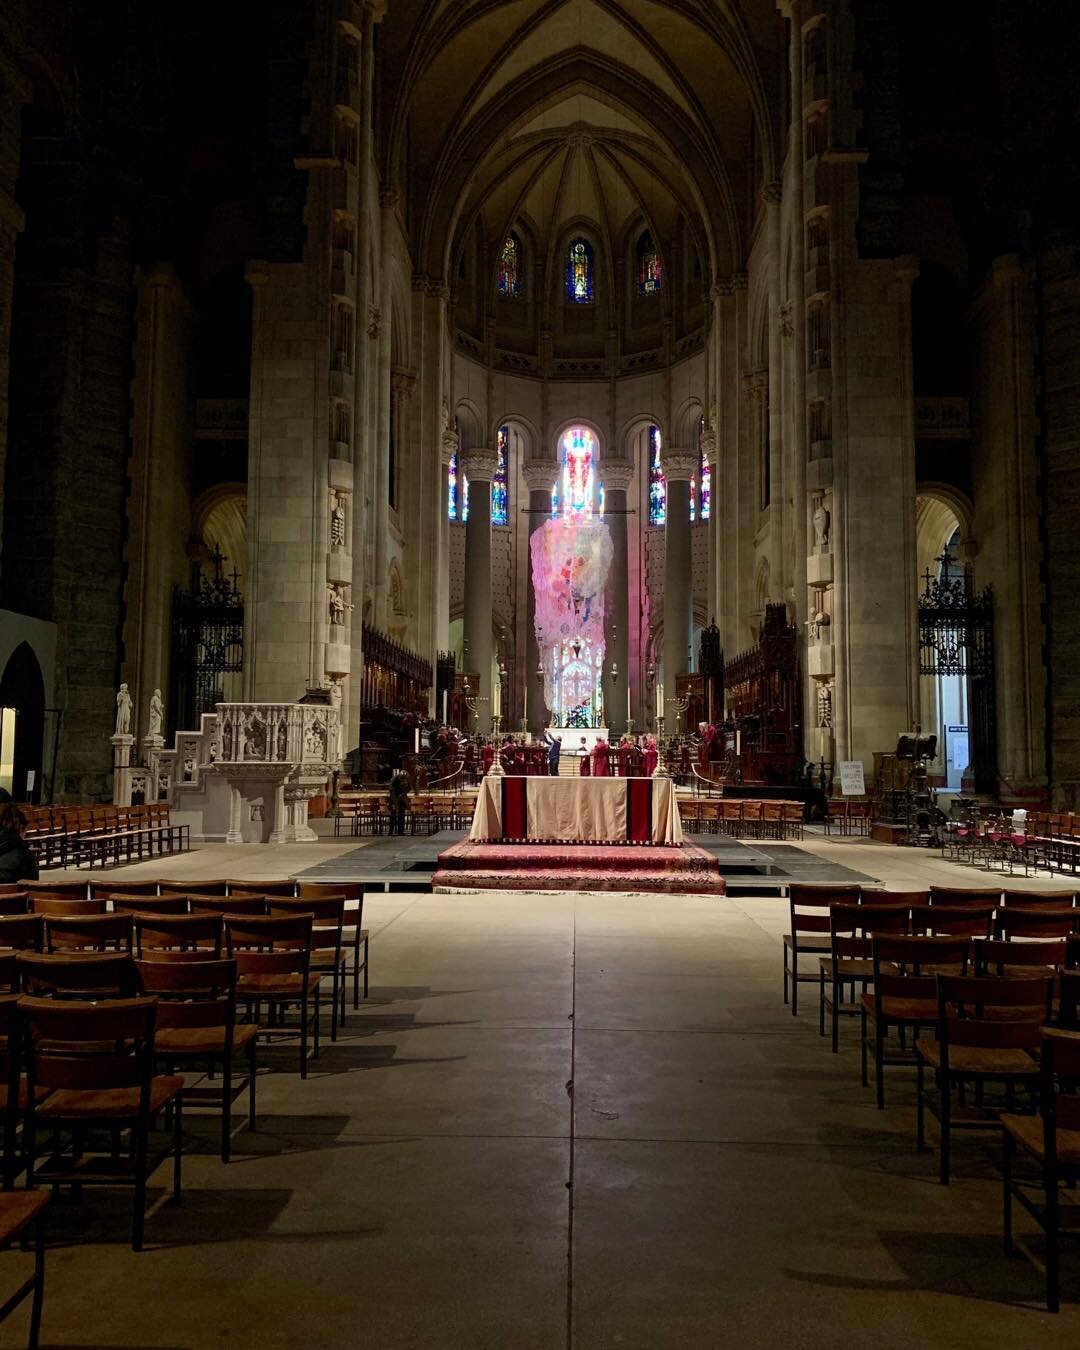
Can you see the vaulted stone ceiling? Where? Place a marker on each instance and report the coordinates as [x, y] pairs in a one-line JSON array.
[[557, 111]]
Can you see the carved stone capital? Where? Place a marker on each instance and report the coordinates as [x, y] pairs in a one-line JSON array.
[[617, 474], [709, 442], [772, 194], [785, 319], [479, 465], [680, 465], [540, 474], [448, 446]]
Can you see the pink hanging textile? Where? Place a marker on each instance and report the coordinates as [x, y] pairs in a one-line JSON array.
[[571, 559]]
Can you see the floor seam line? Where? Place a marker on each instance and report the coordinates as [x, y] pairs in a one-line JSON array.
[[573, 1125]]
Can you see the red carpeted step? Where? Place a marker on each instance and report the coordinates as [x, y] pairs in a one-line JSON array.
[[577, 867]]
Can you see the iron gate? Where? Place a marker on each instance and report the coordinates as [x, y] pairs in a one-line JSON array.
[[207, 644], [956, 637]]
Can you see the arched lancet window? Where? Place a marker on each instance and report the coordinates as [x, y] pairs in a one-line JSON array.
[[657, 482], [576, 493], [500, 503], [452, 487], [650, 269], [704, 478], [579, 273], [510, 268]]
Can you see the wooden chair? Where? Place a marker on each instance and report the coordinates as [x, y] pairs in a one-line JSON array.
[[14, 902], [850, 961], [148, 904], [791, 820], [771, 815], [809, 931], [178, 937], [836, 812], [196, 1024], [355, 936], [123, 886], [22, 933], [18, 1210], [78, 975], [193, 887], [88, 933], [752, 810], [905, 996], [972, 921], [1036, 923], [1018, 956], [96, 1063], [273, 956], [73, 890], [61, 905], [227, 904], [1052, 1140], [901, 899], [954, 896], [987, 1032], [731, 815], [261, 887], [327, 953], [1039, 900]]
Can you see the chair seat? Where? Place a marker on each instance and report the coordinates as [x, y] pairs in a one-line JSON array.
[[108, 1103], [853, 968], [24, 1095], [202, 1040], [324, 960], [977, 1059], [17, 1209], [810, 942], [1028, 1133], [902, 1009], [275, 986]]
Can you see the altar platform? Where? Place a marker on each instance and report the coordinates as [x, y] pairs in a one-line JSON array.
[[569, 810], [677, 869]]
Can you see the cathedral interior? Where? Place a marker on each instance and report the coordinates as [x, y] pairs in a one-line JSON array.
[[341, 340]]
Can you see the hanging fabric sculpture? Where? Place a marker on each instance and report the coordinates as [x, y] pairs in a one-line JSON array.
[[570, 564]]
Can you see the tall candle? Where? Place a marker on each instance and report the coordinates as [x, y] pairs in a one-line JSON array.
[[416, 741]]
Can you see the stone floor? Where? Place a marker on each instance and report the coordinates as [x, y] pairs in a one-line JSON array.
[[576, 1121]]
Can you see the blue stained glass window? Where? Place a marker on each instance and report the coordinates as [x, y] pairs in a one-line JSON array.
[[579, 273], [693, 499], [706, 488], [452, 488], [499, 495], [657, 482], [650, 269]]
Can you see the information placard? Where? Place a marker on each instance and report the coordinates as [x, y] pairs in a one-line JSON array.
[[852, 779]]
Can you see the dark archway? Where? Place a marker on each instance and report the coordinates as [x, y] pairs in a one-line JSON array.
[[23, 688]]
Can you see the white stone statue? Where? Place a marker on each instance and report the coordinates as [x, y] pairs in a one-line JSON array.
[[336, 594], [337, 520], [123, 712], [822, 522], [157, 709]]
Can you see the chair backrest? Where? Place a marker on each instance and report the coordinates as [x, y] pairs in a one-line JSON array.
[[88, 933], [269, 944], [74, 890], [227, 904], [998, 957], [60, 905], [10, 1033], [89, 974], [905, 899], [992, 1013], [954, 896], [851, 928], [192, 994], [1035, 923], [22, 933], [809, 906], [14, 902], [192, 887], [10, 888], [900, 963], [149, 904], [351, 890], [1059, 1069], [261, 887], [953, 920], [1069, 1005], [123, 886], [178, 937], [89, 1046], [328, 917], [1039, 899]]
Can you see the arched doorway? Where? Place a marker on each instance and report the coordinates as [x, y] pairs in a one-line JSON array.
[[22, 689]]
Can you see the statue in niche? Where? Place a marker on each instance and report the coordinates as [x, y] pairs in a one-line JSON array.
[[315, 741], [157, 710], [123, 712], [822, 525], [824, 707], [818, 626], [337, 520], [338, 604]]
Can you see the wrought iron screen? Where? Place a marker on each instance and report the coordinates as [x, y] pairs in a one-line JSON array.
[[207, 645], [956, 637]]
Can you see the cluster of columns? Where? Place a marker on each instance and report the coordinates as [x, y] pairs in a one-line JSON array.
[[479, 466], [680, 467]]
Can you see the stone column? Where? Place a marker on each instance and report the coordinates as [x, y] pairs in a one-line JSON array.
[[617, 479], [539, 476], [679, 467], [448, 449], [479, 467]]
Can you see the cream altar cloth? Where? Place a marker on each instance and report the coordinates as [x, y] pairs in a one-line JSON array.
[[576, 810]]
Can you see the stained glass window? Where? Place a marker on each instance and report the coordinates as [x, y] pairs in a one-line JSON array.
[[693, 499], [499, 498], [452, 488], [657, 482], [650, 269], [510, 267], [578, 478], [706, 488], [579, 273]]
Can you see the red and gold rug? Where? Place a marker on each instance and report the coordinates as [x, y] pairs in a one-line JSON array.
[[651, 868]]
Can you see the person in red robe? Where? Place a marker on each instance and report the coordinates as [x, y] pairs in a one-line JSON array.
[[624, 757], [585, 763], [600, 767], [487, 756], [652, 756]]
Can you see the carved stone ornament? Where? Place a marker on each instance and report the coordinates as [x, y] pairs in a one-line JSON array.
[[123, 712], [479, 465], [822, 525], [337, 520], [680, 465], [824, 707], [785, 320]]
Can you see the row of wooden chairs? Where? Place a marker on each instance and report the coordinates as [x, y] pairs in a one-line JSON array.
[[425, 814], [742, 817], [995, 977], [71, 836], [848, 816]]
